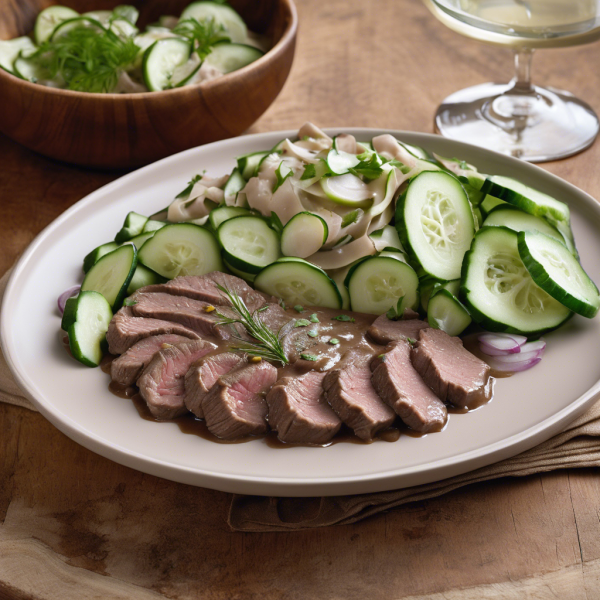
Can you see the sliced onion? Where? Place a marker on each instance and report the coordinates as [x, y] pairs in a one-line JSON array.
[[62, 299], [540, 346], [506, 342], [511, 359], [516, 367]]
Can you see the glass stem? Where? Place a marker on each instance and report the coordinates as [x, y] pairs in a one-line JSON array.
[[521, 83]]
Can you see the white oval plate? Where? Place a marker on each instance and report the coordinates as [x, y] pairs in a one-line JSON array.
[[526, 410]]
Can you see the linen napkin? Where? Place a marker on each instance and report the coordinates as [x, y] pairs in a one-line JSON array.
[[577, 446]]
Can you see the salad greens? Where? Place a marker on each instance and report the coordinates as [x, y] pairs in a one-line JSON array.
[[105, 52]]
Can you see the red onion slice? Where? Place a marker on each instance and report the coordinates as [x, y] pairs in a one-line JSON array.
[[62, 299], [540, 346], [516, 367], [503, 342], [511, 359]]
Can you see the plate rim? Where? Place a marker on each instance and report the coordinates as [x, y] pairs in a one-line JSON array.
[[382, 480]]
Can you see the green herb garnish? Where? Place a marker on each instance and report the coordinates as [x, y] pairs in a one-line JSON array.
[[411, 341], [307, 356], [87, 58], [266, 344], [129, 302], [275, 222], [299, 308], [382, 357], [395, 313], [334, 341], [314, 319], [312, 333], [302, 323], [203, 35], [309, 172], [281, 176], [190, 186], [345, 318], [369, 166], [351, 217]]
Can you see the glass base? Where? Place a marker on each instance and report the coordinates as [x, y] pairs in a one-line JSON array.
[[537, 125]]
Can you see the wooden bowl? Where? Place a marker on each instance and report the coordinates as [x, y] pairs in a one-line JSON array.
[[130, 130]]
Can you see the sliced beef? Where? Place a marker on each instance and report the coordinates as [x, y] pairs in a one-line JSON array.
[[162, 382], [453, 373], [401, 387], [384, 330], [179, 309], [125, 330], [205, 288], [350, 393], [128, 367], [299, 412], [203, 374], [235, 406]]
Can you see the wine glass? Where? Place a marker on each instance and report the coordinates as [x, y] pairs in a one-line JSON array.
[[527, 121]]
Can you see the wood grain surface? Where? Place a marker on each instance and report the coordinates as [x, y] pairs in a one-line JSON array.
[[74, 525]]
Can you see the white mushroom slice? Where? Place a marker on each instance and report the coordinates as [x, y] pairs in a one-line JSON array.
[[285, 202], [336, 259], [347, 143], [215, 194], [387, 145], [308, 130], [259, 192], [208, 182], [295, 150]]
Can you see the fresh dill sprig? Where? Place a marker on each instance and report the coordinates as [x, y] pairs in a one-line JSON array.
[[203, 35], [87, 58], [267, 343]]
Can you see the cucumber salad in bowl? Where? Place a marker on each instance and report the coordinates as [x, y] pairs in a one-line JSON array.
[[377, 227], [105, 52]]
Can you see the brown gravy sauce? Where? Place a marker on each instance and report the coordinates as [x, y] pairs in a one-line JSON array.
[[351, 338]]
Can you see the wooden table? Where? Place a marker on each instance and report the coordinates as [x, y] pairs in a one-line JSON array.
[[74, 525]]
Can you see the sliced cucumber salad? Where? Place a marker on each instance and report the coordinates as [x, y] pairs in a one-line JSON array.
[[376, 227], [104, 52]]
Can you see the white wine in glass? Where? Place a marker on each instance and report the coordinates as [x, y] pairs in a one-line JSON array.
[[531, 122]]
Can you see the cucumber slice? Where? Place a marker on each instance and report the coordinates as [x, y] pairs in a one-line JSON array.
[[376, 284], [296, 281], [530, 200], [447, 313], [231, 57], [183, 74], [133, 225], [96, 254], [11, 49], [338, 276], [142, 277], [49, 18], [181, 249], [161, 60], [489, 204], [348, 190], [340, 163], [435, 223], [28, 70], [249, 277], [111, 275], [416, 151], [249, 244], [87, 333], [224, 213], [429, 287], [514, 218], [139, 240], [304, 234], [498, 290], [221, 14], [152, 225], [558, 273], [235, 184], [248, 164]]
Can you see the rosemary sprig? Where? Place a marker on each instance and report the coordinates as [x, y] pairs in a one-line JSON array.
[[267, 343]]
